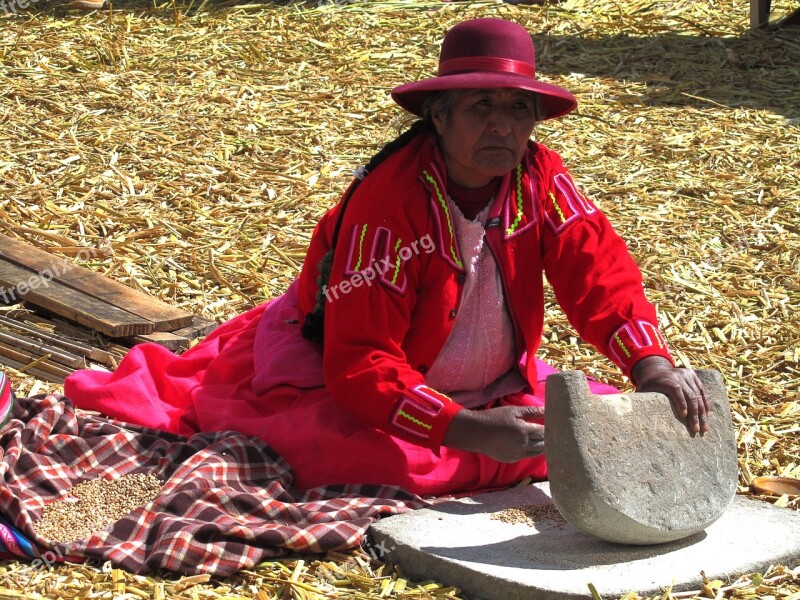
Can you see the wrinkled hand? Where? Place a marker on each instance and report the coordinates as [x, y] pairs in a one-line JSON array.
[[505, 433], [682, 386]]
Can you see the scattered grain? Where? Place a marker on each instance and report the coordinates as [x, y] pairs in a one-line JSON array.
[[93, 505]]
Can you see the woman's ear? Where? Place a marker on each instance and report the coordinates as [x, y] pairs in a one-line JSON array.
[[438, 117]]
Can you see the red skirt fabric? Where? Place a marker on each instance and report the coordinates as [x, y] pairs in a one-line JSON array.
[[255, 375]]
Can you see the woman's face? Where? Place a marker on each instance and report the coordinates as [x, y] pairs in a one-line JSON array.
[[485, 133]]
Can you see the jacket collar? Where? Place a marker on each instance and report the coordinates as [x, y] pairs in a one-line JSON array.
[[513, 209]]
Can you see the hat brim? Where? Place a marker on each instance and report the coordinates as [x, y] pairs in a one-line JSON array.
[[554, 101]]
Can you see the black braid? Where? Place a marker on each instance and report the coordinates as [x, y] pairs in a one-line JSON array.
[[313, 325]]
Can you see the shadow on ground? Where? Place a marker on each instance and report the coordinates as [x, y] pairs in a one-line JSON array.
[[757, 70]]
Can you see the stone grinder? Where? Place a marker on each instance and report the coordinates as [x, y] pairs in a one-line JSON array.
[[625, 469], [622, 469]]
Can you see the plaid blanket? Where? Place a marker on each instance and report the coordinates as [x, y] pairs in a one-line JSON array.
[[226, 501]]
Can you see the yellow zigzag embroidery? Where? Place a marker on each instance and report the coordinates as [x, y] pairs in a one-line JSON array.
[[361, 247], [658, 339], [447, 212], [621, 345], [397, 267], [402, 413], [514, 225], [557, 207]]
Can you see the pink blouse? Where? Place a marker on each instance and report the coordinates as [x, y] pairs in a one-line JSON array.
[[476, 364]]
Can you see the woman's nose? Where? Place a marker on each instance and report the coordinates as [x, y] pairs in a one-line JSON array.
[[500, 121]]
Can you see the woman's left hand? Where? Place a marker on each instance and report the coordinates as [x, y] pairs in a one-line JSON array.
[[682, 386]]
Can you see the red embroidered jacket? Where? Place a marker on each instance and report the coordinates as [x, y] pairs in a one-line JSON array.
[[397, 280]]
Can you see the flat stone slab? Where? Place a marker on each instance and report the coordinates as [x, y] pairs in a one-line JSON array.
[[513, 545], [625, 468]]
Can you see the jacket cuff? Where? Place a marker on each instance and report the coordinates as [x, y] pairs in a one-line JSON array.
[[635, 340], [423, 415]]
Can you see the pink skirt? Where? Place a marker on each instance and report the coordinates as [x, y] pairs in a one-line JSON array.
[[254, 374]]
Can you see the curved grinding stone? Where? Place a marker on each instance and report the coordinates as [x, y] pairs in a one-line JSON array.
[[622, 467]]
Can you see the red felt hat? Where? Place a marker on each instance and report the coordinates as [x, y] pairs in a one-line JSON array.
[[487, 53]]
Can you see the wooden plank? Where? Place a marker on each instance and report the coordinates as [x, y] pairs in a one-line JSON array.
[[173, 342], [40, 349], [27, 359], [163, 316], [114, 347], [759, 13], [21, 284], [73, 330], [43, 375], [44, 370], [89, 352], [180, 339], [200, 327]]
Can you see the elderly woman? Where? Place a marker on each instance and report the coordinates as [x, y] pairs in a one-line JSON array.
[[404, 353]]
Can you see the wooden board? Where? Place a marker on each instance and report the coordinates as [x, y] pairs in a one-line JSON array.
[[200, 327], [45, 370], [170, 341], [163, 316], [759, 13], [70, 303], [180, 339], [73, 346], [36, 348]]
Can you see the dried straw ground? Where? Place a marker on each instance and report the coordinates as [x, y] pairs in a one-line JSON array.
[[200, 142]]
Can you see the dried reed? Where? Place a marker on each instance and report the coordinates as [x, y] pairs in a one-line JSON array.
[[201, 143]]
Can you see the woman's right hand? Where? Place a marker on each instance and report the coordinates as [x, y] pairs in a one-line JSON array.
[[505, 433]]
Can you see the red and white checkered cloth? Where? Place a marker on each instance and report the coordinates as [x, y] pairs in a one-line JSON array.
[[226, 502]]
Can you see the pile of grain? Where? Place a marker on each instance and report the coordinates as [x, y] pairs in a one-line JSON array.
[[93, 505], [533, 515]]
